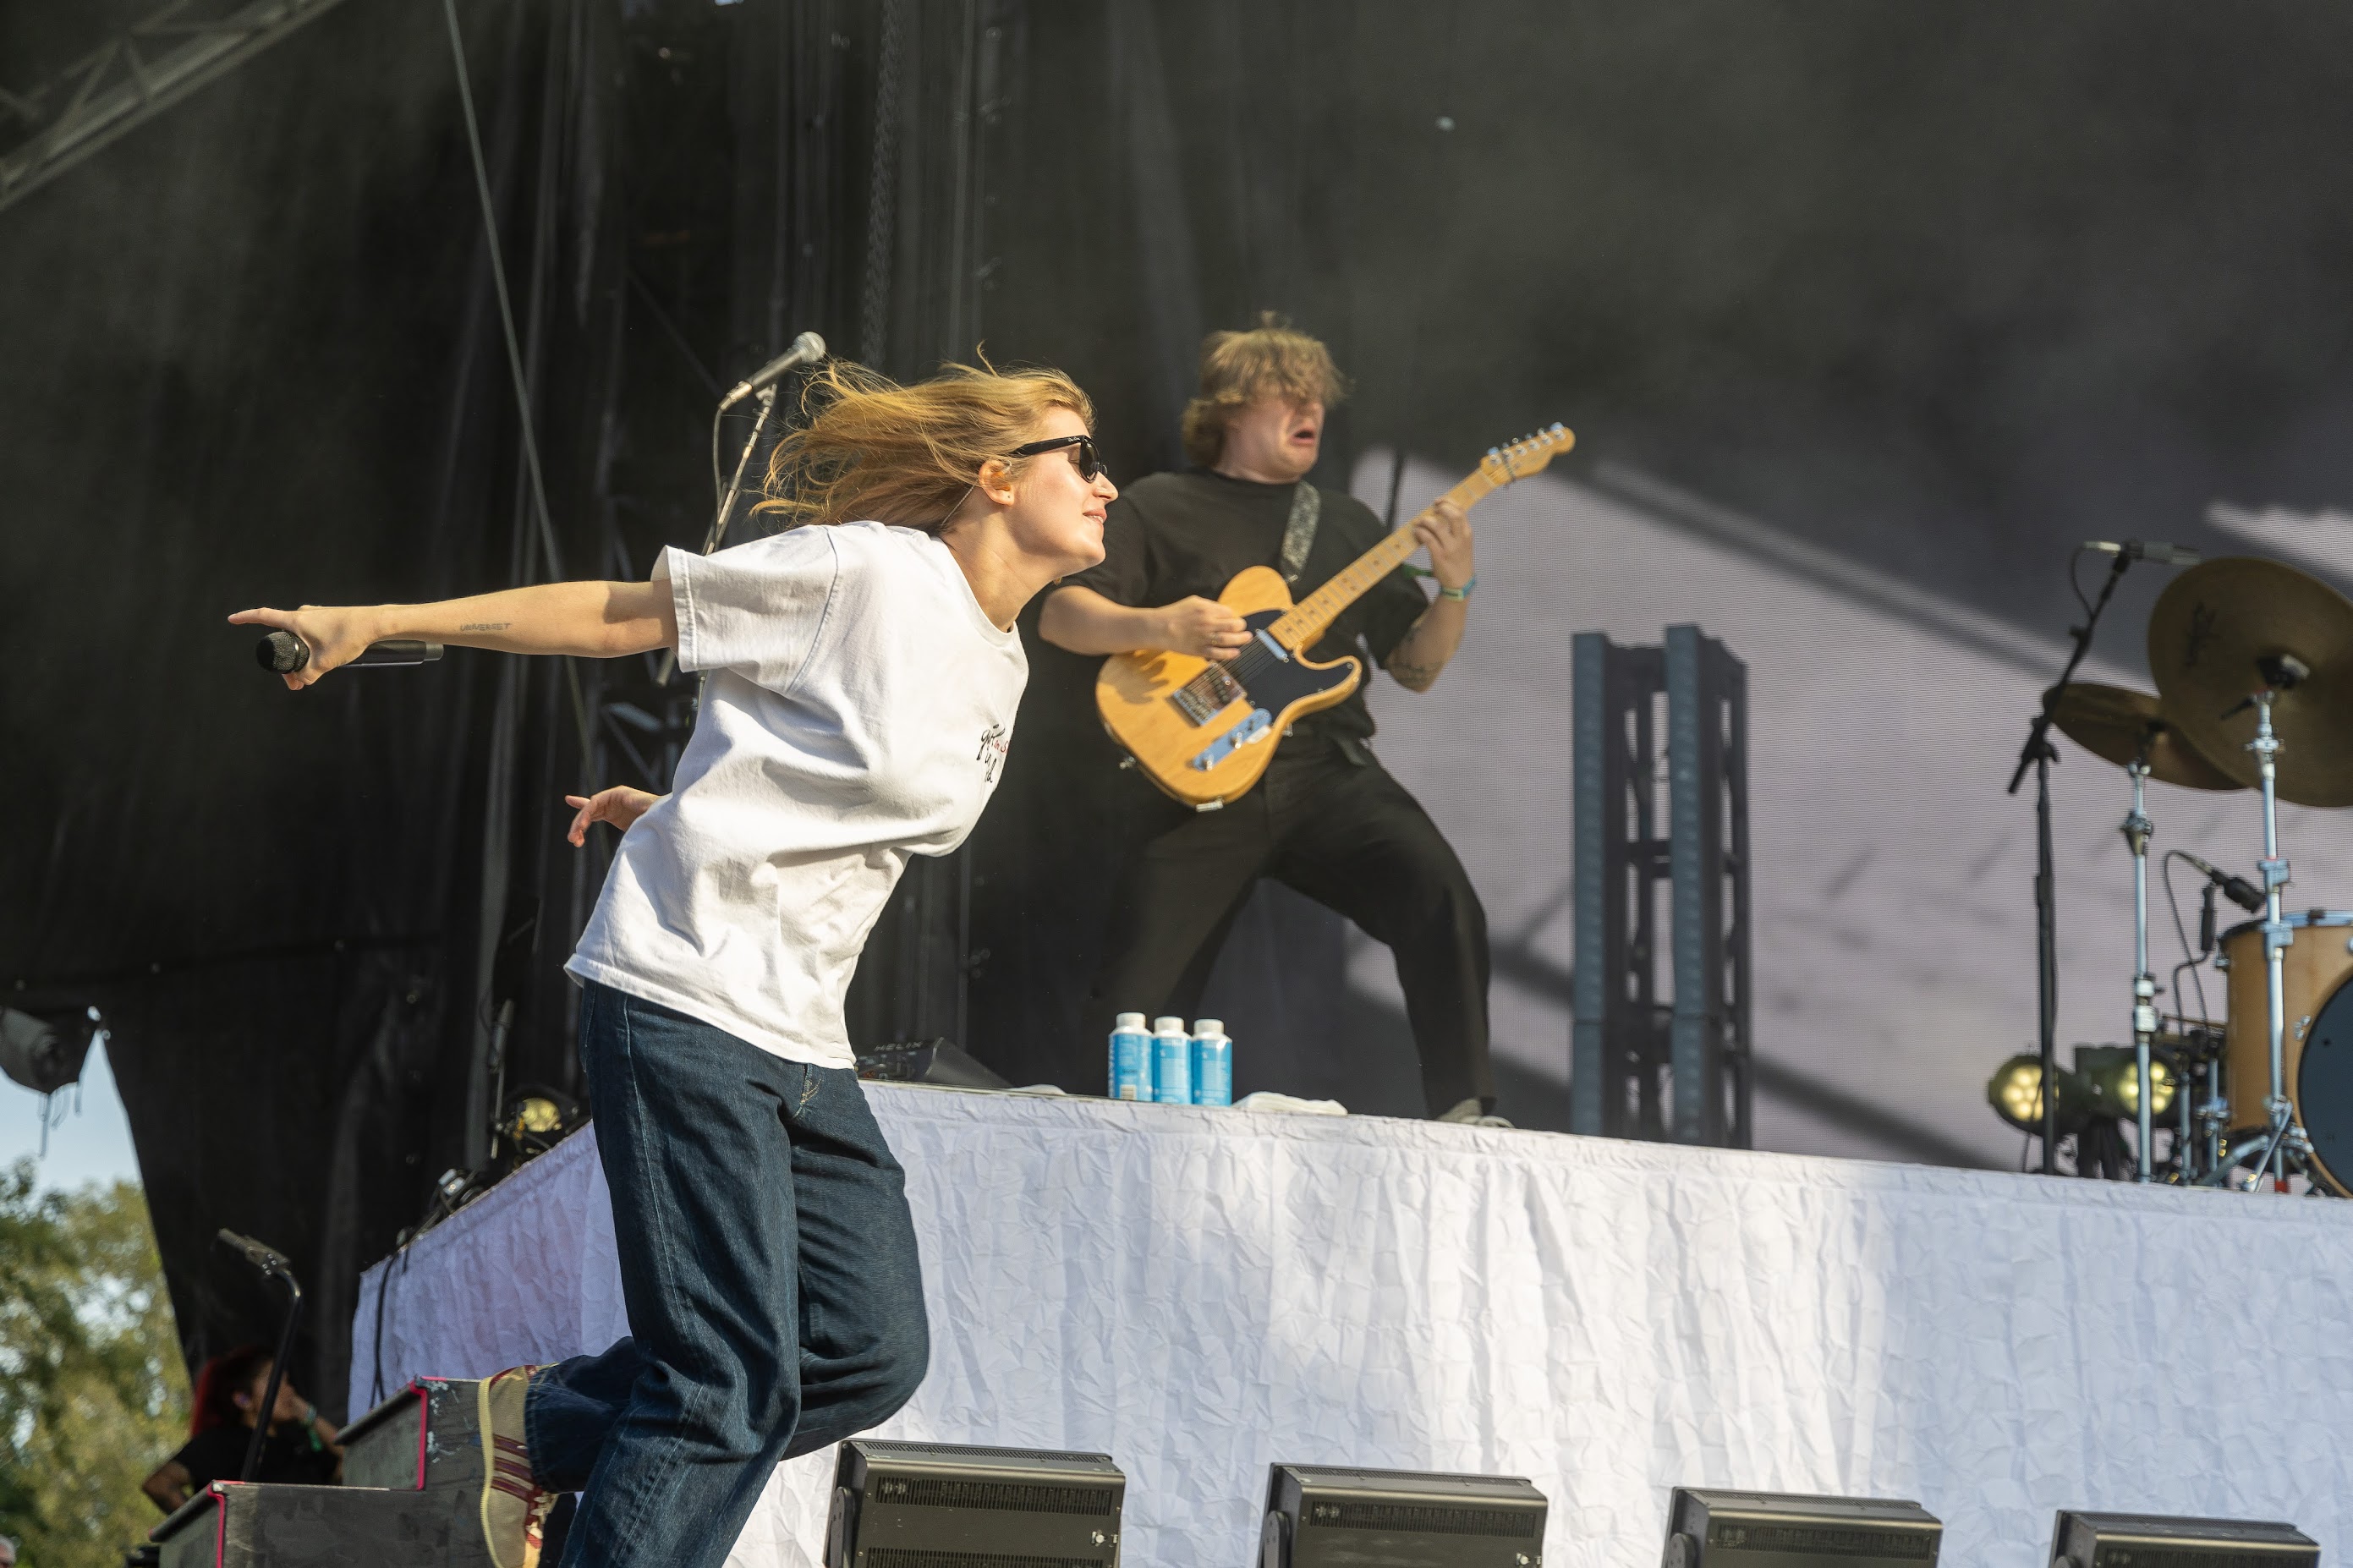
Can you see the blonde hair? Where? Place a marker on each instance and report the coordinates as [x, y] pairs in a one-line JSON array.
[[1240, 368], [867, 447]]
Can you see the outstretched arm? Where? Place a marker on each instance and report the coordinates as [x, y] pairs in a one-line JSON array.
[[1083, 621], [587, 620]]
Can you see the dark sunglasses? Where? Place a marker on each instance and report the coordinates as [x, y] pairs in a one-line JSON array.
[[1089, 461]]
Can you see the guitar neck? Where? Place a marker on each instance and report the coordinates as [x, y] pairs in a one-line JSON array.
[[1311, 616]]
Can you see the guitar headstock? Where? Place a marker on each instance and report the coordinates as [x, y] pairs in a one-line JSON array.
[[1526, 456]]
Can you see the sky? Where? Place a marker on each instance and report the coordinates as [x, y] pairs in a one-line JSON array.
[[88, 1144]]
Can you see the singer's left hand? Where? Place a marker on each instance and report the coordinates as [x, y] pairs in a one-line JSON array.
[[334, 636], [619, 805]]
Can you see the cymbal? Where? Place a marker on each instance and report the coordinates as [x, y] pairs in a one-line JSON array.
[[2112, 721], [2212, 637]]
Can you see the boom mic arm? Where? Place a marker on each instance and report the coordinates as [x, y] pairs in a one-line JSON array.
[[2238, 889], [806, 349], [268, 1260], [2144, 550]]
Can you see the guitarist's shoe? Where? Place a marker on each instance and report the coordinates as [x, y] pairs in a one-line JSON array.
[[1471, 1113], [515, 1509]]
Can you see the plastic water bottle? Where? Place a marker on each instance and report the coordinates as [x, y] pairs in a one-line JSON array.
[[1172, 1062], [1131, 1058], [1213, 1063]]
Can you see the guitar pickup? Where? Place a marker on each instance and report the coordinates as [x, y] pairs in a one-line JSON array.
[[1257, 727], [1207, 694]]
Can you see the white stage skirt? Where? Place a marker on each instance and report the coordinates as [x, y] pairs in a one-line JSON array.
[[1200, 1292]]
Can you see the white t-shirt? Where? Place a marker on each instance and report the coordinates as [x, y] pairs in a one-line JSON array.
[[858, 711]]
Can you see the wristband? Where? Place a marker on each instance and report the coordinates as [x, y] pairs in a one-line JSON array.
[[1463, 593]]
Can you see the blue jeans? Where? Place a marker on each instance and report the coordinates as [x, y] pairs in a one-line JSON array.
[[768, 1264]]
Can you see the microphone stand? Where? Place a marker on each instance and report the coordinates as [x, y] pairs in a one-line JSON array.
[[718, 534], [270, 1263], [2039, 755]]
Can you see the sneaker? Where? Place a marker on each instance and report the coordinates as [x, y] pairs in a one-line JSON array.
[[514, 1508]]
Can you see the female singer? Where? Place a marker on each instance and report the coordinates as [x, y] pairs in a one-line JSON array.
[[863, 676]]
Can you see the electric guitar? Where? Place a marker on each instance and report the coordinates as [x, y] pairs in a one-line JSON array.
[[1204, 730]]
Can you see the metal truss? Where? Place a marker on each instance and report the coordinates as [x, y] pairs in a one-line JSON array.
[[137, 74], [1641, 1067]]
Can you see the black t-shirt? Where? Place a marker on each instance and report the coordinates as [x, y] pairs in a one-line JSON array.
[[1172, 535], [217, 1454]]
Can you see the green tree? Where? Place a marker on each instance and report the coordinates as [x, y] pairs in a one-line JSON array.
[[93, 1394]]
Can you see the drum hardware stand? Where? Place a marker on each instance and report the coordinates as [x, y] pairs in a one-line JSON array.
[[2214, 1116], [2282, 1141], [2039, 755], [2212, 1112], [2136, 829]]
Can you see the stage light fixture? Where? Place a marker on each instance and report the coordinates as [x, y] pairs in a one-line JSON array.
[[2104, 1082], [938, 1505], [44, 1051], [534, 1119], [2015, 1092], [1710, 1528], [2154, 1540], [1326, 1517], [2112, 1076]]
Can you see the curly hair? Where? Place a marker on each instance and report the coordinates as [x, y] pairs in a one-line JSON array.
[[1239, 368], [868, 449]]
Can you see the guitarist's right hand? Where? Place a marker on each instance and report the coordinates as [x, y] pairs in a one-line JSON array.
[[1202, 627]]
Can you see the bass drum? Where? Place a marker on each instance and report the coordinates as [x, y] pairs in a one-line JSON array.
[[2323, 1091], [2313, 969]]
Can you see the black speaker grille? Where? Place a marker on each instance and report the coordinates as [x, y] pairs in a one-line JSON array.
[[900, 1557], [1424, 1519], [1009, 1497], [2164, 1554], [1826, 1541]]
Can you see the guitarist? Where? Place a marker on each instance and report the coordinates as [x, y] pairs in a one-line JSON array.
[[1327, 819]]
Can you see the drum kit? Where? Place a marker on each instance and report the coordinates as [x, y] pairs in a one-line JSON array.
[[2254, 666]]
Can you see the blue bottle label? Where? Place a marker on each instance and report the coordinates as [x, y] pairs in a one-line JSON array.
[[1131, 1066], [1172, 1069], [1213, 1070]]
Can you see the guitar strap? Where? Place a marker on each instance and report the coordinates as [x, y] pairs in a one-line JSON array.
[[1299, 533]]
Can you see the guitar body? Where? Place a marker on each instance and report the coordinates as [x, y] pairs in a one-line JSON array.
[[1205, 733]]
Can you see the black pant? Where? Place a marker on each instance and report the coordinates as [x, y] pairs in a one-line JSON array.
[[1348, 836]]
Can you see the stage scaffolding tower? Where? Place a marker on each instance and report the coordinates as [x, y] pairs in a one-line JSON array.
[[1641, 1066]]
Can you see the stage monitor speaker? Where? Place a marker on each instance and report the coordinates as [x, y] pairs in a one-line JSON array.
[[2152, 1540], [1708, 1528], [936, 1505], [1322, 1516]]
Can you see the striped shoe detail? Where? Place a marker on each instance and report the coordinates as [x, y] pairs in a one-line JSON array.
[[514, 1507]]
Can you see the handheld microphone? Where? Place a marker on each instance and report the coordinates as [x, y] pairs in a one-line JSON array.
[[2146, 549], [283, 653], [268, 1259], [2238, 889], [808, 349]]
